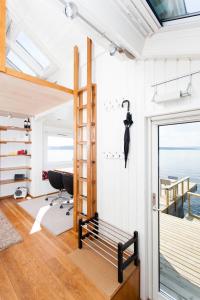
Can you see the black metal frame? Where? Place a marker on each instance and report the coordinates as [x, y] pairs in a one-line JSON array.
[[122, 263]]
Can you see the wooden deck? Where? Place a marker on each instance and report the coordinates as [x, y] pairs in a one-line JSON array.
[[180, 257], [180, 194]]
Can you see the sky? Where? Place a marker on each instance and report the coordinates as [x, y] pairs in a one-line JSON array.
[[192, 5], [180, 135]]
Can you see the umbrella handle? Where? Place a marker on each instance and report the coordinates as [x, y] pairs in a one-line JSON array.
[[126, 101]]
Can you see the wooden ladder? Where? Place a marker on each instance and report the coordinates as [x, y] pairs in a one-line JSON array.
[[84, 141]]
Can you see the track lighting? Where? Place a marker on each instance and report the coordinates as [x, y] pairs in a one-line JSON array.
[[112, 49], [71, 10]]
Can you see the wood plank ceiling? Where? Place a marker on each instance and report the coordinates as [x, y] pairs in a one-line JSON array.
[[25, 97]]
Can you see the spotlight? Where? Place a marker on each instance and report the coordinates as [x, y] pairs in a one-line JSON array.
[[71, 10], [113, 49]]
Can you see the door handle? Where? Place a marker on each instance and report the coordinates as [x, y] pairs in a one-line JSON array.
[[157, 209]]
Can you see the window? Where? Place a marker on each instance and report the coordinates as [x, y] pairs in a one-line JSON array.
[[15, 61], [27, 44], [59, 149], [168, 10]]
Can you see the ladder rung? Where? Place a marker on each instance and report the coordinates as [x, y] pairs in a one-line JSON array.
[[85, 125], [85, 161], [85, 142], [83, 215], [82, 107], [83, 197], [83, 179], [82, 142]]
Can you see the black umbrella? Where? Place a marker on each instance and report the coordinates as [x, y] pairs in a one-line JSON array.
[[128, 122]]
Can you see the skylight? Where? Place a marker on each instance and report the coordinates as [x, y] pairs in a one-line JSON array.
[[18, 63], [28, 45], [168, 10]]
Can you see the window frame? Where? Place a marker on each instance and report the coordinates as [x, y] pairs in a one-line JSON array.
[[174, 20], [25, 56], [49, 165]]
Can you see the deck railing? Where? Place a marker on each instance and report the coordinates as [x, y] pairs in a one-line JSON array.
[[189, 195], [174, 188]]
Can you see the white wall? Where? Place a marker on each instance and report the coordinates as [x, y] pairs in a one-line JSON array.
[[122, 193], [39, 186]]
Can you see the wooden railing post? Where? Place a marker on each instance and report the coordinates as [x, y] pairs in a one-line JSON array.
[[167, 198], [188, 184], [189, 204], [182, 190]]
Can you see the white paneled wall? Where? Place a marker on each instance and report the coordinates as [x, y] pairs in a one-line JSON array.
[[122, 193], [41, 187]]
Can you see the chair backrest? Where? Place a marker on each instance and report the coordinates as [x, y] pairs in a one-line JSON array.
[[55, 180], [68, 183]]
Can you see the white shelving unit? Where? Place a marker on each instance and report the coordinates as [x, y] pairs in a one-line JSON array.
[[13, 139]]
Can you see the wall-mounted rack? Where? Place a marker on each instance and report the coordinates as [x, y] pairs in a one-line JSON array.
[[110, 242]]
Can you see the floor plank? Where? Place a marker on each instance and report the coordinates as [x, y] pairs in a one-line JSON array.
[[180, 256], [39, 267]]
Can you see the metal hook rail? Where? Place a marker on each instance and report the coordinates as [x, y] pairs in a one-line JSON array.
[[176, 78], [108, 244]]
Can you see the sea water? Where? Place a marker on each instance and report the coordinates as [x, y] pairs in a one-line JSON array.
[[182, 162]]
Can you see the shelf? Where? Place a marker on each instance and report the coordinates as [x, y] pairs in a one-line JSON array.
[[19, 142], [15, 155], [5, 128], [15, 168], [9, 181]]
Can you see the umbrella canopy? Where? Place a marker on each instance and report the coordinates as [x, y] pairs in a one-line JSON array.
[[127, 122]]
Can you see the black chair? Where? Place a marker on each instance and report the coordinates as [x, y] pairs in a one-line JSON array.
[[67, 180], [55, 180]]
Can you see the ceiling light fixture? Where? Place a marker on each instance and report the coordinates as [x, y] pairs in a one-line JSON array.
[[71, 12], [112, 49]]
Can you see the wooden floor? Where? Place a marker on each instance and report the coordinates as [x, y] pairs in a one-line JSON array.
[[39, 267], [180, 257]]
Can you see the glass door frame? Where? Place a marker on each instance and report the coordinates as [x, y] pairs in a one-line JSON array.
[[153, 191]]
